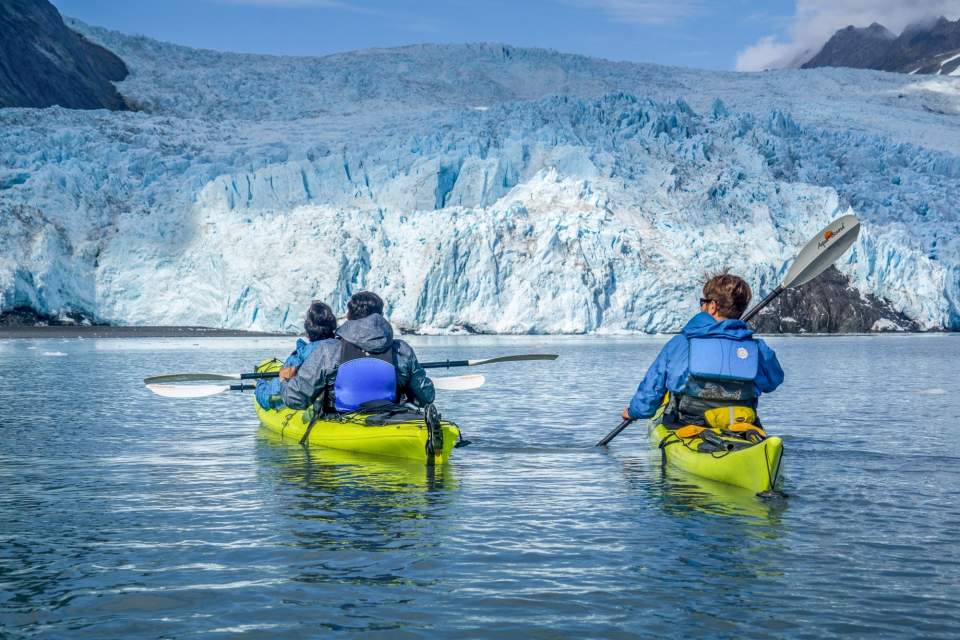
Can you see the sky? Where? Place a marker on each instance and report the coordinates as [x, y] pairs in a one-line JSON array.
[[748, 35]]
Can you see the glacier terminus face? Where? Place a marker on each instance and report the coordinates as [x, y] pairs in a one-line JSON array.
[[474, 187]]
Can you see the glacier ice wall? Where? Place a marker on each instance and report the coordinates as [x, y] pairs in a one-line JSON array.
[[468, 199]]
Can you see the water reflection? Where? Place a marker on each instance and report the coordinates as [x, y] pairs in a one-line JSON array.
[[725, 531], [331, 468], [181, 520], [342, 499], [682, 494]]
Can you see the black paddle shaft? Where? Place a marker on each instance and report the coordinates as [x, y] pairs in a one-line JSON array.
[[613, 434], [425, 365], [445, 364], [258, 375], [760, 305]]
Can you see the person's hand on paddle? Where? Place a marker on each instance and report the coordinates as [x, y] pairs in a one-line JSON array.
[[287, 373], [626, 414]]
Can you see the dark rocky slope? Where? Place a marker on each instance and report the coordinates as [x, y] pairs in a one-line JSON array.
[[829, 304], [43, 63], [853, 47], [928, 48], [23, 316]]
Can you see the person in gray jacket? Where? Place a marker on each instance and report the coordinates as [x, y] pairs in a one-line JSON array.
[[362, 364]]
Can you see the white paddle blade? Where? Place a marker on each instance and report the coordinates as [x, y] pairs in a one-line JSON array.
[[187, 391], [458, 383], [822, 251], [519, 358], [191, 377]]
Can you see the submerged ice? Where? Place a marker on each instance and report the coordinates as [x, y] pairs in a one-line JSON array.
[[250, 185]]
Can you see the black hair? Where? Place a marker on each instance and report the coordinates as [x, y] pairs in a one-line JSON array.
[[320, 322], [363, 304]]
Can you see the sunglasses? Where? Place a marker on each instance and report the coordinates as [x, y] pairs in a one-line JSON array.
[[704, 301]]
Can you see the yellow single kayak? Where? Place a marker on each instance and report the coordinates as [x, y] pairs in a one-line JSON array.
[[753, 466], [398, 438]]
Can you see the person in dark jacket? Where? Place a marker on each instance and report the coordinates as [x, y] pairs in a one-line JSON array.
[[715, 361], [319, 324], [363, 364]]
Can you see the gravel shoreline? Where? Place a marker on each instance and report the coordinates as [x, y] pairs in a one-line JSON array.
[[95, 331]]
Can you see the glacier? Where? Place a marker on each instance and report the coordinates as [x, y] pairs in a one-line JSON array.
[[478, 187]]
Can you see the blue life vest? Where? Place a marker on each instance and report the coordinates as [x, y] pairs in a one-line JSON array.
[[724, 359], [364, 377], [721, 373]]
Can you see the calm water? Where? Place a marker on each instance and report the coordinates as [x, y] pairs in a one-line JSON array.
[[124, 515]]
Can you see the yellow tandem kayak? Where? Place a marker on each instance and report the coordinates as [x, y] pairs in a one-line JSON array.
[[333, 469], [753, 466], [352, 432]]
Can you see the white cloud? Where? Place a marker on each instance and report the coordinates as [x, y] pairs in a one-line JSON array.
[[814, 21], [643, 11]]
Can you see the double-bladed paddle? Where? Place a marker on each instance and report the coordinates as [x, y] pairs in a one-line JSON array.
[[473, 363], [818, 254], [447, 383], [216, 377]]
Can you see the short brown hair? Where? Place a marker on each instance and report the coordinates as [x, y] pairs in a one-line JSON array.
[[731, 293]]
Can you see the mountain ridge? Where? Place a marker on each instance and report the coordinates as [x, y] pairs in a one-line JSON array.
[[930, 47]]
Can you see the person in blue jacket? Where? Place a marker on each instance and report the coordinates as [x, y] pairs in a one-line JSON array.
[[320, 324], [714, 362]]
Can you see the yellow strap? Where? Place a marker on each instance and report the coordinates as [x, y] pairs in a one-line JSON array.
[[742, 426], [689, 431]]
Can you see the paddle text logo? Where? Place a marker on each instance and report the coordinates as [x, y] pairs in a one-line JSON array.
[[828, 234]]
